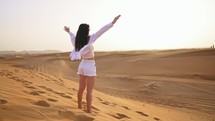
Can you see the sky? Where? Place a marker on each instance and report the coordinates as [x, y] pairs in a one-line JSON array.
[[144, 24]]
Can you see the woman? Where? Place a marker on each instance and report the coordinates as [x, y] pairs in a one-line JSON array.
[[84, 51]]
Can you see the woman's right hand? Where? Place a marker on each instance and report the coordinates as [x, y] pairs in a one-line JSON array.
[[66, 29], [115, 19]]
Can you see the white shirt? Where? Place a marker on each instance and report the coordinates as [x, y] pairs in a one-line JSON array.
[[87, 50]]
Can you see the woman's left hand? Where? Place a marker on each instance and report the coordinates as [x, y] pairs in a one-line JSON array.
[[115, 19], [66, 29]]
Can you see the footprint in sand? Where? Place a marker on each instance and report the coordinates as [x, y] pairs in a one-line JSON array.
[[109, 103], [63, 95], [42, 103], [69, 93], [119, 116], [2, 101], [60, 83], [157, 119], [74, 116], [73, 89], [45, 88], [52, 100], [16, 70], [94, 108], [29, 86], [34, 93], [99, 99], [41, 92], [141, 113], [106, 102], [1, 73], [6, 73], [58, 93], [25, 83], [126, 107], [47, 80]]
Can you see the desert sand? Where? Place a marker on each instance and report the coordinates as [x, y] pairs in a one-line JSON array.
[[159, 85]]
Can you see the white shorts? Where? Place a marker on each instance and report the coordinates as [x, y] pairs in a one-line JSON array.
[[87, 68]]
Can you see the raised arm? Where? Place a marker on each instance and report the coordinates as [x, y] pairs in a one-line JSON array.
[[96, 35], [72, 36]]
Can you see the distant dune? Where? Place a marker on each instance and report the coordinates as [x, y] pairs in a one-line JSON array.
[[160, 85], [11, 54]]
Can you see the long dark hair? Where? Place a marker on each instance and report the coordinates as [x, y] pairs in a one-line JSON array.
[[82, 36]]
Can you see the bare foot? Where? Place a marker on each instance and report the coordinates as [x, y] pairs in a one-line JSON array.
[[89, 111], [79, 106]]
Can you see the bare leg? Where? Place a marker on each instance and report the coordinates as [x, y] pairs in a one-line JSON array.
[[90, 80], [82, 86]]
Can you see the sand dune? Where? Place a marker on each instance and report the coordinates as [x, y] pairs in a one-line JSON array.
[[168, 85]]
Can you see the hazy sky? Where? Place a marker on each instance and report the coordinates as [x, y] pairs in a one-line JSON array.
[[144, 24]]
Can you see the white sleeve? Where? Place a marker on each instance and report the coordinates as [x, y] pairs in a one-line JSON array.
[[72, 37], [96, 35]]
